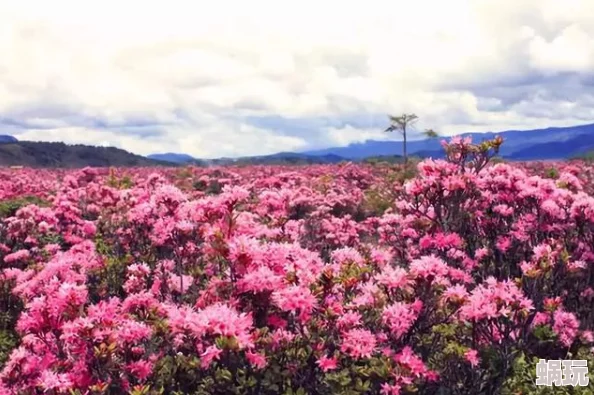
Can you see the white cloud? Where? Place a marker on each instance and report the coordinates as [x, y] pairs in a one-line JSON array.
[[86, 72], [572, 50]]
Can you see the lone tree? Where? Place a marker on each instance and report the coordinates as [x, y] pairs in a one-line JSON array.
[[403, 123]]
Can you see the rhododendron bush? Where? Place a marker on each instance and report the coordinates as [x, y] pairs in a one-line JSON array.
[[296, 280]]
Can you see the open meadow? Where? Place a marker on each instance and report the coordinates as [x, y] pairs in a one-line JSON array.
[[454, 275]]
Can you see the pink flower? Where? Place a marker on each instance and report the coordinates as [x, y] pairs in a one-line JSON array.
[[358, 343], [348, 320], [175, 282], [140, 369], [256, 359], [552, 208], [566, 326], [576, 265], [481, 253], [280, 337], [455, 293], [429, 267], [472, 357], [393, 278], [345, 256], [381, 257], [504, 210], [540, 319], [432, 376], [399, 317], [276, 322], [326, 364], [282, 260], [223, 320], [503, 243], [495, 299], [89, 229], [55, 381], [130, 331], [211, 354], [294, 298], [408, 358], [389, 389], [542, 251], [260, 280], [17, 256], [587, 336], [185, 226]]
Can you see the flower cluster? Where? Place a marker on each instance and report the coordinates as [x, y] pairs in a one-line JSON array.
[[319, 279]]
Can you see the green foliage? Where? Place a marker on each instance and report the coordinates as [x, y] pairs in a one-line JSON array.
[[110, 281], [181, 374], [380, 159], [586, 156], [124, 182], [8, 208], [409, 172], [377, 201], [498, 159], [8, 341], [212, 187], [10, 309], [523, 379], [552, 173], [184, 172]]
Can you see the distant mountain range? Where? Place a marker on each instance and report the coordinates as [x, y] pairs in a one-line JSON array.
[[278, 158], [518, 145], [45, 154], [537, 144]]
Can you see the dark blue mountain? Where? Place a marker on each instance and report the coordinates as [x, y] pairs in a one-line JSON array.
[[556, 150], [377, 148], [4, 138], [172, 157], [514, 141], [549, 143], [278, 158], [282, 158], [288, 156]]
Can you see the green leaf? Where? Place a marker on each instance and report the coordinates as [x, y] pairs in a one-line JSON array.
[[224, 374]]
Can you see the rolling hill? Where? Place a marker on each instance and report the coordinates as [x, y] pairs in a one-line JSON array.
[[45, 154], [4, 138]]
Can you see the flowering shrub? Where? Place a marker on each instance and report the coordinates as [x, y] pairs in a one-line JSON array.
[[314, 280]]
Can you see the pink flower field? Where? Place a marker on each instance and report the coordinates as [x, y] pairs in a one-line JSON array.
[[450, 276]]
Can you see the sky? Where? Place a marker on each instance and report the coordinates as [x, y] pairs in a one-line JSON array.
[[235, 78]]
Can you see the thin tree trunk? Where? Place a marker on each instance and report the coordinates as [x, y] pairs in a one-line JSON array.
[[404, 146]]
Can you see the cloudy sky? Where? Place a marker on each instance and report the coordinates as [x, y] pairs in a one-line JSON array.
[[230, 78]]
